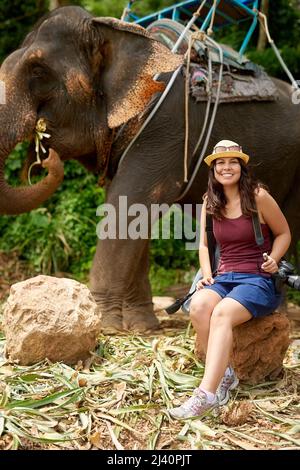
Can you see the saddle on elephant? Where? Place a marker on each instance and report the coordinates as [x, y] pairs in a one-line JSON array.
[[242, 80]]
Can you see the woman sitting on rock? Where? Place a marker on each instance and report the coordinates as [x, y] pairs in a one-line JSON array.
[[243, 287]]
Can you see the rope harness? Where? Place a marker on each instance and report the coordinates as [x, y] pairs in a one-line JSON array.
[[200, 35]]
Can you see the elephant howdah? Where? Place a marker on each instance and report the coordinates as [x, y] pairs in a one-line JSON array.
[[87, 76]]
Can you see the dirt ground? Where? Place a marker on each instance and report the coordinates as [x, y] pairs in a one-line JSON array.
[[273, 415]]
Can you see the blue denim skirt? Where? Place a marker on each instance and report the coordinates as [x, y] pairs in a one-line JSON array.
[[256, 293]]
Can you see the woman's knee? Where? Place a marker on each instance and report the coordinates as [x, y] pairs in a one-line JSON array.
[[200, 308], [220, 315]]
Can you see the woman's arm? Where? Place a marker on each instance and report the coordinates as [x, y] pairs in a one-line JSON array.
[[203, 249], [277, 223]]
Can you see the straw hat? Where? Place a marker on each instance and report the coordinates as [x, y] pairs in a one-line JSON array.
[[227, 153]]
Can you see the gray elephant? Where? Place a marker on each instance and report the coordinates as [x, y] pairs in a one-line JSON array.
[[87, 77]]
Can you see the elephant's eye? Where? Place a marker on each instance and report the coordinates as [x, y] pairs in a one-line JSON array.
[[41, 81], [38, 71]]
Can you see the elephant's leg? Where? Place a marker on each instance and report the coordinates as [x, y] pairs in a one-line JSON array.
[[119, 277], [138, 312], [107, 288], [119, 280]]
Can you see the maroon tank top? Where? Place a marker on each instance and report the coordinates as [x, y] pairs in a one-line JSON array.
[[239, 251]]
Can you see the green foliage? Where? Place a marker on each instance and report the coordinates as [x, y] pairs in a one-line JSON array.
[[17, 18], [14, 163], [172, 253], [268, 60], [115, 8], [162, 278], [105, 7], [284, 22], [293, 296], [146, 7], [284, 26], [171, 262], [62, 235]]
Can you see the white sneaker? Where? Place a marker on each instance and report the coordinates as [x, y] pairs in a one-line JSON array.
[[197, 405], [229, 382]]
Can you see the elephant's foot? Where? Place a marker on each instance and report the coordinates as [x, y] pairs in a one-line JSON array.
[[140, 320], [111, 322]]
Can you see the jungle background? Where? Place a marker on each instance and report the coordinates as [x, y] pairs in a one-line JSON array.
[[60, 237]]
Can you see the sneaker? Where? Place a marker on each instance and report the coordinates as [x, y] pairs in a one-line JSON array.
[[229, 382], [197, 405]]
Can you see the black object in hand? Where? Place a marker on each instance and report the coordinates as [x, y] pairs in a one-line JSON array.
[[286, 275], [178, 302]]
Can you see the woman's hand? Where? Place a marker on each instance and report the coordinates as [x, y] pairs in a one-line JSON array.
[[205, 281], [270, 265]]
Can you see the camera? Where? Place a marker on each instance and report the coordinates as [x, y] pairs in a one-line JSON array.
[[285, 275]]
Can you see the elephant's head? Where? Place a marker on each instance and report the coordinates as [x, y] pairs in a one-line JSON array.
[[84, 76]]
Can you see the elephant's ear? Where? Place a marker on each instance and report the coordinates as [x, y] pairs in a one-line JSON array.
[[130, 59]]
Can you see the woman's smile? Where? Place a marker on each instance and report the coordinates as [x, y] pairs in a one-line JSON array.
[[227, 169]]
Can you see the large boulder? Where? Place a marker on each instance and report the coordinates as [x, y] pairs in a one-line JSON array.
[[49, 317], [259, 347]]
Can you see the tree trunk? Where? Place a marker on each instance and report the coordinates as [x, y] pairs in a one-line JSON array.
[[262, 38]]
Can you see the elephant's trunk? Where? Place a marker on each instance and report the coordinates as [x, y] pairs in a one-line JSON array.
[[17, 122], [23, 199]]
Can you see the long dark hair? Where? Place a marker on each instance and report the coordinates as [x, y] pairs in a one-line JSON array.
[[248, 186]]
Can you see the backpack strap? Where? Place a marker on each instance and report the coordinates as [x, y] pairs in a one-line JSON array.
[[213, 247], [259, 238]]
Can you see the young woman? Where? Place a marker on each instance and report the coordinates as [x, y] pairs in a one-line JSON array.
[[243, 287]]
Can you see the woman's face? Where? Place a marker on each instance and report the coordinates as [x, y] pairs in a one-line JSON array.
[[227, 171]]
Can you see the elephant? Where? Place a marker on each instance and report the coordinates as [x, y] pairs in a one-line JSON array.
[[91, 80]]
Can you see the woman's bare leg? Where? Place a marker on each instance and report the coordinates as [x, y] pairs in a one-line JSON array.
[[226, 315], [202, 305]]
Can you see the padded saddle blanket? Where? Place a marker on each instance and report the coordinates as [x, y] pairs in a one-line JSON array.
[[242, 80], [235, 86]]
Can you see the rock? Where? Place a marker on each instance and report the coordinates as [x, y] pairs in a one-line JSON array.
[[47, 317], [259, 347]]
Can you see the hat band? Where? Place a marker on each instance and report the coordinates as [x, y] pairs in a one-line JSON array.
[[227, 154]]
